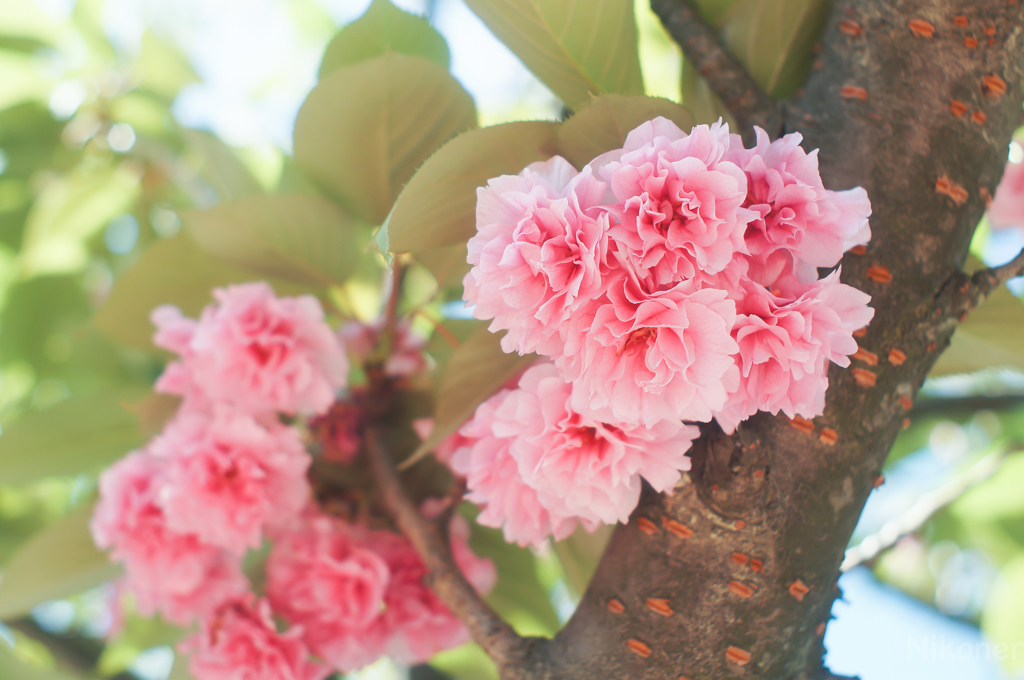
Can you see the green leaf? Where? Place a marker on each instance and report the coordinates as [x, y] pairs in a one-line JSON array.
[[177, 272], [70, 211], [774, 39], [438, 206], [179, 671], [579, 555], [605, 122], [475, 371], [999, 496], [700, 99], [447, 263], [12, 669], [578, 48], [991, 336], [466, 662], [161, 68], [364, 130], [1003, 617], [519, 597], [302, 238], [222, 168], [384, 28], [58, 562], [81, 434]]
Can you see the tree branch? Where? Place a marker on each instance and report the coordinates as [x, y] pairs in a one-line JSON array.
[[985, 280], [726, 76], [921, 511], [490, 631]]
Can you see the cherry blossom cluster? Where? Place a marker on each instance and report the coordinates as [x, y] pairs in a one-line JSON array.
[[227, 475], [672, 281]]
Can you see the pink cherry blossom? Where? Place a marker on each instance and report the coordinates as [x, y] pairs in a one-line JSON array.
[[786, 339], [795, 212], [255, 352], [678, 201], [1007, 208], [239, 642], [168, 572], [494, 482], [582, 466], [229, 478], [406, 357], [638, 358], [418, 624], [539, 252], [340, 430], [323, 576]]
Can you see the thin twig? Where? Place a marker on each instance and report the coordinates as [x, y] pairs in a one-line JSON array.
[[488, 629], [739, 93], [985, 280], [923, 510]]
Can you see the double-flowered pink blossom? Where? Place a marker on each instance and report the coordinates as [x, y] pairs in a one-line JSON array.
[[640, 358], [538, 466], [705, 303], [169, 572], [786, 339], [405, 356], [539, 252], [239, 642], [799, 222], [678, 201], [229, 477], [323, 576], [254, 352], [417, 624], [358, 594]]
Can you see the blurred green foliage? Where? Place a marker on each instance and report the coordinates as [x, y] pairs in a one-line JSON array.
[[108, 208]]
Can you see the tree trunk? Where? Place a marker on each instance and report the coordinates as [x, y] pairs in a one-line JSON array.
[[735, 573]]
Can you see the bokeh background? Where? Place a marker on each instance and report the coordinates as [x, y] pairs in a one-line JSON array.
[[116, 114]]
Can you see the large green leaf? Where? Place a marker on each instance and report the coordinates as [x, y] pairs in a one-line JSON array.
[[447, 263], [991, 336], [438, 206], [519, 596], [1003, 617], [12, 669], [302, 238], [161, 68], [175, 271], [222, 168], [578, 48], [58, 562], [80, 434], [475, 371], [179, 671], [364, 130], [384, 28], [700, 99], [68, 212], [605, 122], [996, 497], [774, 39], [579, 555]]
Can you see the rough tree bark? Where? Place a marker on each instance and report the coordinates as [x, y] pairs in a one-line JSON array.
[[735, 573]]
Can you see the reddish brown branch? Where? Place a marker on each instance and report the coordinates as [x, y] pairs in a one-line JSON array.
[[986, 280], [724, 73], [490, 631]]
